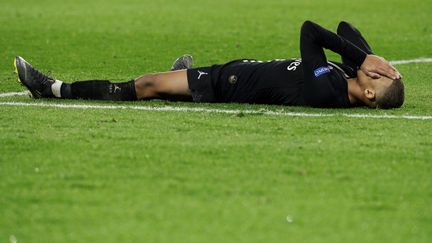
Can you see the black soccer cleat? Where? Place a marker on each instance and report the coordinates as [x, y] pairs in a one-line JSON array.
[[36, 82], [183, 62]]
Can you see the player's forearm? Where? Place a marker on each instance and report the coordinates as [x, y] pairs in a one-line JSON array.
[[329, 40]]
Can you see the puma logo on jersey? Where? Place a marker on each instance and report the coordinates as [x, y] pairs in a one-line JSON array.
[[201, 73]]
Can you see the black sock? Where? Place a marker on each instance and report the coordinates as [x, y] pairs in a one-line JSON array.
[[99, 90]]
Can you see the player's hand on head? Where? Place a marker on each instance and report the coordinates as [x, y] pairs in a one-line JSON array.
[[375, 67]]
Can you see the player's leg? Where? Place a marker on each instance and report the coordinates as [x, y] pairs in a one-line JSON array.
[[169, 85]]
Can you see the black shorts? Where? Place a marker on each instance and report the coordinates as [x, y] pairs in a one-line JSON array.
[[201, 83], [244, 81]]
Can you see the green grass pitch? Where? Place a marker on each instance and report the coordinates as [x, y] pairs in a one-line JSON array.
[[87, 175]]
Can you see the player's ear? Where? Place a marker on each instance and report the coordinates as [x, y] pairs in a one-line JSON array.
[[370, 94]]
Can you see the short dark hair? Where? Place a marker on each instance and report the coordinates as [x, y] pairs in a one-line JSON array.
[[393, 97]]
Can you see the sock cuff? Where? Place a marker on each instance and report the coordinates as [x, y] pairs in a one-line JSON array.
[[133, 95], [56, 88]]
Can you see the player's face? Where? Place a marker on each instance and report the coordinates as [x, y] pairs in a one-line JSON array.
[[377, 84], [372, 87]]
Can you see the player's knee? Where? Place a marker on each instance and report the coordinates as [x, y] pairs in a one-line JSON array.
[[145, 81], [145, 86]]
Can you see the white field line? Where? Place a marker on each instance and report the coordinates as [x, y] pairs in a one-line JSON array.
[[13, 94], [418, 60], [223, 111]]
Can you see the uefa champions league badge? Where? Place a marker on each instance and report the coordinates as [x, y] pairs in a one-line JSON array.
[[321, 70]]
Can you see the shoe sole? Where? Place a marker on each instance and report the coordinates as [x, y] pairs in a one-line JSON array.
[[18, 80], [182, 60]]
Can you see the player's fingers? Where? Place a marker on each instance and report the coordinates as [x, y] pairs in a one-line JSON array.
[[388, 72], [373, 75], [396, 74], [400, 75]]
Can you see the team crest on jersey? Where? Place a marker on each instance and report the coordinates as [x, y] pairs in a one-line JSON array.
[[321, 70]]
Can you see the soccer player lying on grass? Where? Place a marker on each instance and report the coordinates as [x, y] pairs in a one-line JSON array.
[[362, 79]]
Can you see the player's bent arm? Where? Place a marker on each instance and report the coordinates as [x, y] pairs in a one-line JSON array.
[[372, 65], [329, 40]]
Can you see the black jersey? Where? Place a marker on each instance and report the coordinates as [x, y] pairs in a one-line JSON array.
[[309, 81]]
